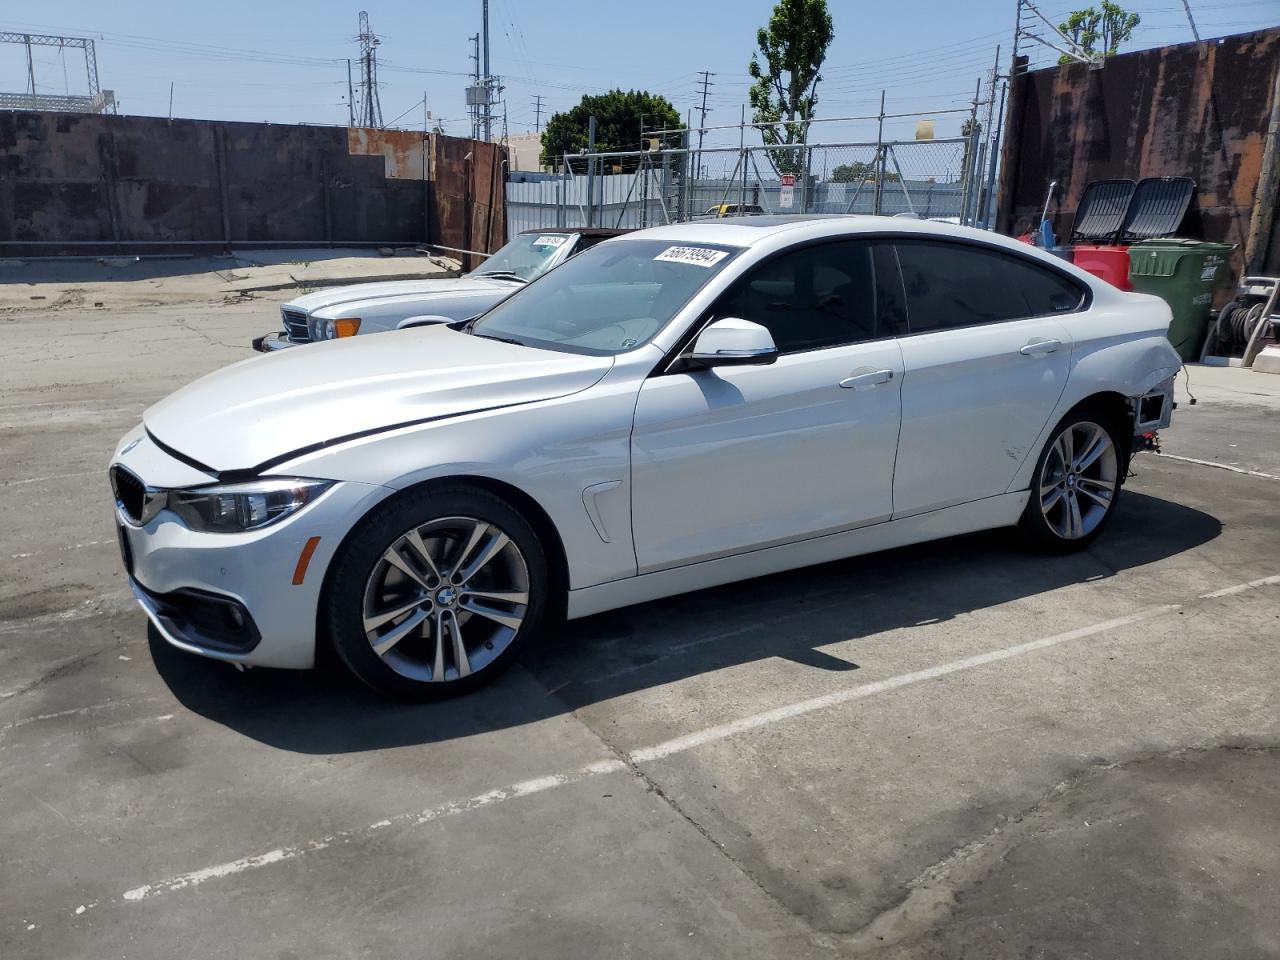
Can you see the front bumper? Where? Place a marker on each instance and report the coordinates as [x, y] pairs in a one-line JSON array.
[[272, 342], [185, 579]]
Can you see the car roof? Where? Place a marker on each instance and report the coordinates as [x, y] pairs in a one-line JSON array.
[[751, 231], [774, 231], [603, 232]]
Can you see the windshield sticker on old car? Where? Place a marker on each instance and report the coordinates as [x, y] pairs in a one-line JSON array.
[[550, 240], [698, 256]]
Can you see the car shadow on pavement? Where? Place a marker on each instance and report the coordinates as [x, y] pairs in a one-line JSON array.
[[610, 655]]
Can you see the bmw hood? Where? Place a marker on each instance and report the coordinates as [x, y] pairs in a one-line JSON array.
[[261, 411], [341, 296]]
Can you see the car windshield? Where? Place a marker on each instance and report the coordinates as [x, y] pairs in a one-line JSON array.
[[526, 257], [608, 299]]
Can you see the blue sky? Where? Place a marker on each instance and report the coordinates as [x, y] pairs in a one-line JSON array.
[[284, 62]]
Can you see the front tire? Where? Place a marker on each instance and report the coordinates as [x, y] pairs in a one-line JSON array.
[[1076, 483], [434, 594]]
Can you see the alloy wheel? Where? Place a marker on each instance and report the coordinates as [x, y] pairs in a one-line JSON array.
[[1079, 479], [445, 599]]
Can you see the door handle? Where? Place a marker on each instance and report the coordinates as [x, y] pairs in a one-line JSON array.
[[1038, 348], [867, 379]]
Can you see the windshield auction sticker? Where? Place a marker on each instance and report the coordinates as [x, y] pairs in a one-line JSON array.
[[698, 256], [550, 240]]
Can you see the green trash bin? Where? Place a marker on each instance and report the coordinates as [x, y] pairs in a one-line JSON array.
[[1184, 274]]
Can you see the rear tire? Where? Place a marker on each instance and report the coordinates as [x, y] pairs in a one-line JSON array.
[[435, 593], [1076, 482]]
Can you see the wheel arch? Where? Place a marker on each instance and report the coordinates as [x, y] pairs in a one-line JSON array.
[[528, 506], [1116, 405]]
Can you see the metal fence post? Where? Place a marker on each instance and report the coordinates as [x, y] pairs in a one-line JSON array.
[[560, 190], [591, 171], [970, 158], [878, 206], [806, 198]]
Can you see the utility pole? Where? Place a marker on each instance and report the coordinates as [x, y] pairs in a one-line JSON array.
[[1191, 20], [702, 123], [537, 113], [170, 99], [488, 80], [473, 103], [351, 98], [992, 158]]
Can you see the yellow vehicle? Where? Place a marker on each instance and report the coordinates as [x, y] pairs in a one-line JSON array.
[[734, 210]]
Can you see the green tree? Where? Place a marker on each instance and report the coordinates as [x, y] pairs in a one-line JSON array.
[[1099, 31], [855, 172], [784, 94], [619, 118]]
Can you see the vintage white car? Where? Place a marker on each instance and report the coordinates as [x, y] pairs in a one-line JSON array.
[[362, 308], [673, 409]]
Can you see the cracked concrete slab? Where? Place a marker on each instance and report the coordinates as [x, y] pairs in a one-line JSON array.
[[1176, 855]]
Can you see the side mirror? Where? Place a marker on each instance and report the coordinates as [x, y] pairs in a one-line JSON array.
[[426, 320], [733, 342]]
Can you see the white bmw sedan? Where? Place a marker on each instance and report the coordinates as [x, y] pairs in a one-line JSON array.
[[670, 410]]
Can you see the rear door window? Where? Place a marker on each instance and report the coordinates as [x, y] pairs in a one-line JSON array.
[[950, 285]]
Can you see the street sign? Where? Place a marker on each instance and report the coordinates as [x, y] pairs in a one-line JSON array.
[[786, 197]]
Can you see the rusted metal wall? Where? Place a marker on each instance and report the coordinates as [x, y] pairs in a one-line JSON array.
[[469, 194], [1192, 110], [68, 181]]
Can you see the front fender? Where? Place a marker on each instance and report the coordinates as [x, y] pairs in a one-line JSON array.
[[570, 455]]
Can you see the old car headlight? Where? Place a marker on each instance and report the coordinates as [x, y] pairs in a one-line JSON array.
[[236, 507], [322, 329]]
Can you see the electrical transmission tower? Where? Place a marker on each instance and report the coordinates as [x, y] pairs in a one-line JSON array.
[[537, 113], [97, 101], [370, 112]]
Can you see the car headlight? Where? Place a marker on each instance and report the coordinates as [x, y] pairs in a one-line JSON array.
[[322, 329], [236, 507]]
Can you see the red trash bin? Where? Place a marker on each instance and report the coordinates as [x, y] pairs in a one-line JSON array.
[[1109, 263]]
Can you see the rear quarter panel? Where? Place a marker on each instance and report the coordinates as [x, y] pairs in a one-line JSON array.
[[1119, 345]]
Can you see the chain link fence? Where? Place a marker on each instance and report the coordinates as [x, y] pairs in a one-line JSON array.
[[931, 179]]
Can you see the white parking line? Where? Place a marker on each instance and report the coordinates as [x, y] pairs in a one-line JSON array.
[[74, 712], [724, 730], [71, 546], [522, 789], [671, 747], [1240, 588], [1220, 466], [59, 476]]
